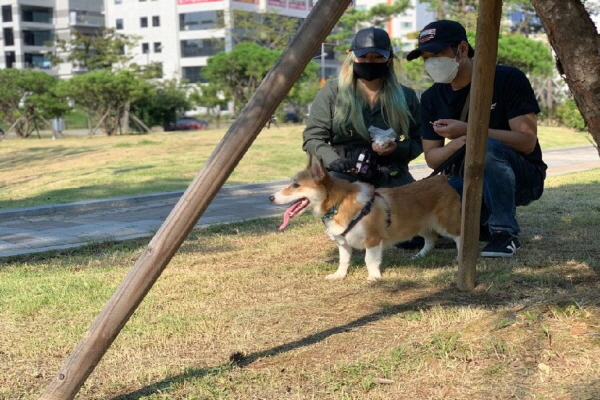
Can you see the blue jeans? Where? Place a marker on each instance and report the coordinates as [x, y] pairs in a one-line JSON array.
[[509, 180]]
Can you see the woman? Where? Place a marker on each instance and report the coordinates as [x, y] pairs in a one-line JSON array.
[[366, 100]]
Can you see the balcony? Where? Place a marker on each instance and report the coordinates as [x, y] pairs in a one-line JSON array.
[[84, 19]]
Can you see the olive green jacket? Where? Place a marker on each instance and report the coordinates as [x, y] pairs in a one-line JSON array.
[[319, 135]]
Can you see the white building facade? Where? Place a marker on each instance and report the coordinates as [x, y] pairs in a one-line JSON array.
[[30, 28], [183, 34]]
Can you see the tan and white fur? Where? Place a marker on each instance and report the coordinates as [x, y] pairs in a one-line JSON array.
[[425, 208]]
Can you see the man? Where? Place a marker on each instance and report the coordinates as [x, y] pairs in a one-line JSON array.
[[514, 171]]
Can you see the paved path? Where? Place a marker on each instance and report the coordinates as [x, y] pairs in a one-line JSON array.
[[64, 226]]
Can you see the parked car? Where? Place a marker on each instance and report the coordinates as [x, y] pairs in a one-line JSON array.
[[188, 124], [291, 117]]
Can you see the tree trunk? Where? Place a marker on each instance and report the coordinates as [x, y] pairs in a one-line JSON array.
[[575, 41]]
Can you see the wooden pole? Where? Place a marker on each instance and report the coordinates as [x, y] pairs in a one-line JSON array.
[[182, 219], [482, 87]]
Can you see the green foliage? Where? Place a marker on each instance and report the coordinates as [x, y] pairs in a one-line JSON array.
[[569, 115], [530, 56], [208, 96], [105, 95], [162, 103], [28, 98], [270, 30], [239, 72], [99, 50]]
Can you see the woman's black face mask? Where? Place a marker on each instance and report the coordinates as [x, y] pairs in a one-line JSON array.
[[370, 71]]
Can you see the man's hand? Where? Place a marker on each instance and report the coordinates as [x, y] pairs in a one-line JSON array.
[[386, 149], [450, 128], [343, 165]]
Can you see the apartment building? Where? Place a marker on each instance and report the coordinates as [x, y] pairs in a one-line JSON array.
[[30, 28], [183, 34]]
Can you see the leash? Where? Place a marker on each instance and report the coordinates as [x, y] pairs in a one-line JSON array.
[[449, 164], [366, 210]]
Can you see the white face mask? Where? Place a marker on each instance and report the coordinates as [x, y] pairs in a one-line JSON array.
[[441, 69]]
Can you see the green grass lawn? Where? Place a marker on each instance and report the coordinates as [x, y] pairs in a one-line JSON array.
[[43, 171], [244, 312]]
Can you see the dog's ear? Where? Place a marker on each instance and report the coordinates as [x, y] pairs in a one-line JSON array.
[[317, 170]]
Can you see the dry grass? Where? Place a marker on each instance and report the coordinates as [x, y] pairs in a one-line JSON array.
[[243, 312]]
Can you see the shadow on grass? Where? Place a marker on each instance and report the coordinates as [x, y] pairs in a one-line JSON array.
[[556, 233], [33, 154], [447, 297]]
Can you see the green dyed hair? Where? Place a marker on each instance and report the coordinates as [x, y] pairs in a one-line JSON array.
[[351, 100]]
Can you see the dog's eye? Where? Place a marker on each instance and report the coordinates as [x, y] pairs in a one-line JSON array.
[[295, 185]]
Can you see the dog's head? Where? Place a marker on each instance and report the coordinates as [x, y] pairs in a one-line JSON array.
[[307, 190]]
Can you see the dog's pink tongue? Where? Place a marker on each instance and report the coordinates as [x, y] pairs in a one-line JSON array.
[[292, 211]]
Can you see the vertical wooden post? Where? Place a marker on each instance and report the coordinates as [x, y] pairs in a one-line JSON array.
[[482, 87], [147, 269]]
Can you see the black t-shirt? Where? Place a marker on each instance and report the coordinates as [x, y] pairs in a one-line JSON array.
[[512, 97]]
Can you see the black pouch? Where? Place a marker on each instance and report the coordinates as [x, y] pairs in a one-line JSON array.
[[367, 168]]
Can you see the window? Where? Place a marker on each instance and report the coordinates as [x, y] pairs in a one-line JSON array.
[[193, 74], [119, 23], [144, 22], [36, 14], [201, 20], [121, 50], [10, 59], [157, 47], [9, 37], [37, 61], [156, 20], [38, 38], [202, 47], [145, 48], [6, 13]]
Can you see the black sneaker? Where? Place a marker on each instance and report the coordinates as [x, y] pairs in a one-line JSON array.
[[501, 244], [484, 233], [416, 242]]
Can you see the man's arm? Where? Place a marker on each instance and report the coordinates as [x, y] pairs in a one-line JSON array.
[[436, 153], [522, 137]]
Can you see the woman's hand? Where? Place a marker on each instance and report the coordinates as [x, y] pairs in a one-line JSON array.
[[387, 149]]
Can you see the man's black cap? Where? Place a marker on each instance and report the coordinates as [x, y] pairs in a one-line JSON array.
[[440, 35], [370, 40]]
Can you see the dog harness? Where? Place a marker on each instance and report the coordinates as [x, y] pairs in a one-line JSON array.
[[366, 209]]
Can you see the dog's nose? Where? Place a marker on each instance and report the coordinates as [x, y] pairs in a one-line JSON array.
[[271, 198]]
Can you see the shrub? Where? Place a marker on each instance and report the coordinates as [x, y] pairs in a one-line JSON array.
[[568, 114]]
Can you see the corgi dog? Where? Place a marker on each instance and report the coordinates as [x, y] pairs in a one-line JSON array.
[[358, 216]]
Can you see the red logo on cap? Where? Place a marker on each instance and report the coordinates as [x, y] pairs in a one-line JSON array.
[[427, 35]]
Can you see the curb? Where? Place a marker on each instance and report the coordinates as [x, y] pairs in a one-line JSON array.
[[88, 206]]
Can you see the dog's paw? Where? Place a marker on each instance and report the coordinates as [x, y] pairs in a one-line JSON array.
[[373, 278], [335, 276]]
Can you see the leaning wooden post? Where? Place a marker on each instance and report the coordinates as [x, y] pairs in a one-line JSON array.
[[482, 87], [147, 269]]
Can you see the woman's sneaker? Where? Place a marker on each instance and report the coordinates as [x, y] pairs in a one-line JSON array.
[[501, 244]]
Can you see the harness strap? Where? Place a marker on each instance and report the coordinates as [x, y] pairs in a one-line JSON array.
[[366, 210]]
